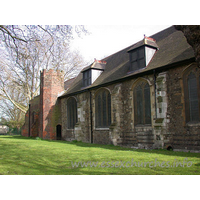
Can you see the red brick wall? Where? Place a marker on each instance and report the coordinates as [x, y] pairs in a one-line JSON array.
[[34, 123], [52, 84], [25, 128]]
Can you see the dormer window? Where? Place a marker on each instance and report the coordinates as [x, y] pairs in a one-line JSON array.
[[137, 59], [142, 53], [92, 72], [87, 78]]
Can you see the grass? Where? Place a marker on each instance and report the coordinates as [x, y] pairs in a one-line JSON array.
[[21, 155]]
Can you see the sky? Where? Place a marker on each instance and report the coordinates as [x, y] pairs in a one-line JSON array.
[[104, 40]]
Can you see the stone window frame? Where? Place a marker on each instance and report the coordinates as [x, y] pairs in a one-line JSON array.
[[137, 82], [108, 109], [71, 124], [192, 68]]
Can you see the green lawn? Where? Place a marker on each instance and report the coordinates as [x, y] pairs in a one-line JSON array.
[[20, 155]]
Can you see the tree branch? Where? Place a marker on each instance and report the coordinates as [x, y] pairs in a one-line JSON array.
[[5, 30], [20, 107]]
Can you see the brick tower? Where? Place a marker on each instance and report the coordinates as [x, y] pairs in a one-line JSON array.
[[51, 84]]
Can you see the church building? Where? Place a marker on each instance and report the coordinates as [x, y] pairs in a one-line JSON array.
[[144, 96]]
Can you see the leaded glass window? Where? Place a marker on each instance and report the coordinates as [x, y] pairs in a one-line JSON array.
[[142, 104], [192, 95], [103, 109], [137, 59], [71, 113], [147, 104], [87, 78]]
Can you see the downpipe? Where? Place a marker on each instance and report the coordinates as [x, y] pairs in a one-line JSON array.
[[91, 127], [155, 89]]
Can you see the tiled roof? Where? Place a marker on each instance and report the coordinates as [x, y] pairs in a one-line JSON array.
[[68, 83], [173, 48]]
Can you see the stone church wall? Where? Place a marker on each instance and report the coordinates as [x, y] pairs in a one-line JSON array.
[[167, 129], [184, 135]]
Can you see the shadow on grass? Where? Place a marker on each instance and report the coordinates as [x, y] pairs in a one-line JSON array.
[[15, 137], [112, 147]]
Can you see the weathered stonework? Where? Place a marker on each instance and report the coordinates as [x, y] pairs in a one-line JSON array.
[[183, 135], [167, 119], [82, 128]]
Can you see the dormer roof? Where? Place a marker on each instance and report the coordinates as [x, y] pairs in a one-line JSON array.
[[147, 41], [97, 64]]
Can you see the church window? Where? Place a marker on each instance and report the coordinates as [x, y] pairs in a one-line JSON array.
[[142, 104], [71, 113], [103, 109], [192, 96]]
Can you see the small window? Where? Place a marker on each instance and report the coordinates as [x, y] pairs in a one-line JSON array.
[[103, 109], [142, 104], [137, 59], [71, 113], [87, 78]]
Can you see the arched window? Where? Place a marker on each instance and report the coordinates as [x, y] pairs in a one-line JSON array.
[[142, 104], [71, 113], [103, 109], [192, 95]]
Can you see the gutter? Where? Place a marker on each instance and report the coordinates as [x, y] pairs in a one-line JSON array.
[[159, 69]]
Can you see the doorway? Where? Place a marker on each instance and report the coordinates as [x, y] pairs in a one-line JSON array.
[[58, 132]]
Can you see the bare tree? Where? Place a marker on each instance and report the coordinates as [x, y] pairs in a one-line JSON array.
[[25, 50], [11, 114]]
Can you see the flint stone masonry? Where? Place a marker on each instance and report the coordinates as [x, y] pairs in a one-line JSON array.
[[167, 129], [122, 130]]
